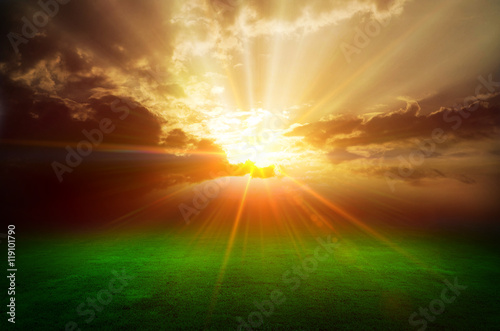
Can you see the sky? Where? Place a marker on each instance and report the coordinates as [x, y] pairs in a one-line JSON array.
[[378, 105]]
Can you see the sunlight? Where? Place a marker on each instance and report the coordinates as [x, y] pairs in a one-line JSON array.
[[254, 135]]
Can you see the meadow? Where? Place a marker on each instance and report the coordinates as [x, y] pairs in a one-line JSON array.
[[178, 284]]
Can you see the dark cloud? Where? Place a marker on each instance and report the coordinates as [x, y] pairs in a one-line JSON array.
[[40, 135], [388, 141], [318, 133], [479, 120], [125, 165], [177, 138], [83, 36], [27, 115]]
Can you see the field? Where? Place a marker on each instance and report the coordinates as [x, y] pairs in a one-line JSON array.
[[363, 284]]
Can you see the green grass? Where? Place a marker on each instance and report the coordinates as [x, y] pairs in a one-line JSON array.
[[363, 285]]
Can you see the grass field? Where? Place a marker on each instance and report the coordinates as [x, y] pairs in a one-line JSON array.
[[363, 284]]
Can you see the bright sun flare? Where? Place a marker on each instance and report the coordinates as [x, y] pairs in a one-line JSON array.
[[254, 135]]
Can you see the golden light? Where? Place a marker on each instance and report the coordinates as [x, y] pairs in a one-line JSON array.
[[254, 135]]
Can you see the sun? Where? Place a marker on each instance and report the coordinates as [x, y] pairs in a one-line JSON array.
[[255, 135], [260, 155]]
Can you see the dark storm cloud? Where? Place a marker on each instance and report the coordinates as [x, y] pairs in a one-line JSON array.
[[129, 163], [48, 100], [84, 36], [108, 29], [37, 131], [27, 115], [479, 120]]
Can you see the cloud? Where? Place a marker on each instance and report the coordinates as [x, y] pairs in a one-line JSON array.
[[95, 59], [31, 116], [309, 16], [479, 120], [419, 177], [133, 160], [222, 28], [414, 148], [318, 133], [341, 155]]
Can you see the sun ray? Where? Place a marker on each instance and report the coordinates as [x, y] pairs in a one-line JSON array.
[[341, 92], [228, 251], [364, 227]]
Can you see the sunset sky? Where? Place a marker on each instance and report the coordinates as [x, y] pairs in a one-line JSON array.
[[381, 105]]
